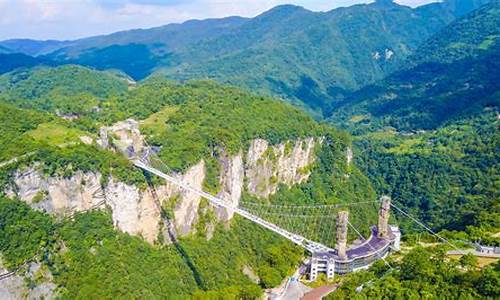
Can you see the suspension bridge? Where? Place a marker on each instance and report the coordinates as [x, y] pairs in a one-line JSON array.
[[277, 218], [312, 227]]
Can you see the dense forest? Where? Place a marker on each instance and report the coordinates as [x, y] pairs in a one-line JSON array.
[[190, 122], [423, 273], [419, 109], [428, 134], [312, 59]]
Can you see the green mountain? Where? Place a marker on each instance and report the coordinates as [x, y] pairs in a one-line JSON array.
[[32, 47], [446, 175], [66, 88], [314, 57], [429, 133], [189, 122], [452, 75], [416, 88], [4, 50], [310, 58], [12, 61]]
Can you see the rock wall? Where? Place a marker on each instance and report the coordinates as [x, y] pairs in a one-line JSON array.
[[186, 205], [137, 211], [232, 174], [268, 166], [133, 210], [57, 195], [16, 287]]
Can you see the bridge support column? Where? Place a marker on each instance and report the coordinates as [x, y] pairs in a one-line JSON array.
[[383, 217], [314, 269], [342, 220], [330, 268]]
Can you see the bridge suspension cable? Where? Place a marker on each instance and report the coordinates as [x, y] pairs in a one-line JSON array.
[[371, 247], [426, 228]]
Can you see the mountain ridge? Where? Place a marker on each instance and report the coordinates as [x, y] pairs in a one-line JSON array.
[[275, 52]]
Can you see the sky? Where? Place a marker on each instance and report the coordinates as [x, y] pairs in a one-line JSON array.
[[72, 19]]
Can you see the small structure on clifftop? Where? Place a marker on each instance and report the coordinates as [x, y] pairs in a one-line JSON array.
[[384, 238]]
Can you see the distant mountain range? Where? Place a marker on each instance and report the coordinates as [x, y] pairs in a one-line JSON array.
[[453, 74], [310, 58]]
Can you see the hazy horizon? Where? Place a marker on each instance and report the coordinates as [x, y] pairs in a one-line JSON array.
[[62, 20]]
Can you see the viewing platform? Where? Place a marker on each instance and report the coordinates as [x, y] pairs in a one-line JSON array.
[[383, 239]]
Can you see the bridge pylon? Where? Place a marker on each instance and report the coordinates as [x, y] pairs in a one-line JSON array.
[[383, 217], [341, 243]]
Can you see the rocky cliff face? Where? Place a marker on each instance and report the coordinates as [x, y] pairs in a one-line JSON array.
[[16, 287], [268, 166], [57, 195], [133, 210], [232, 175], [259, 170], [185, 204]]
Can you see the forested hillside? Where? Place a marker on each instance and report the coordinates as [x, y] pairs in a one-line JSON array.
[[424, 273], [12, 61], [452, 75], [411, 97], [190, 122], [428, 134], [309, 58]]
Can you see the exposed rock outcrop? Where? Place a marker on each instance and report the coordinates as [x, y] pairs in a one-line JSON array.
[[137, 211], [185, 208], [57, 195], [134, 211], [231, 182], [268, 166], [126, 137], [15, 287]]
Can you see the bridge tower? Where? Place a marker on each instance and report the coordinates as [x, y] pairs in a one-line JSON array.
[[342, 221], [383, 217]]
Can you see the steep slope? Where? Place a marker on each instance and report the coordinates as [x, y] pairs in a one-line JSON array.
[[63, 88], [220, 139], [12, 61], [453, 74], [310, 58], [429, 133], [147, 49], [4, 50], [313, 56]]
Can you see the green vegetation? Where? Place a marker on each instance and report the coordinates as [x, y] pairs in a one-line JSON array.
[[99, 262], [64, 89], [211, 117], [56, 134], [440, 84], [423, 273], [448, 178], [429, 133], [191, 122], [24, 233], [14, 124], [310, 58]]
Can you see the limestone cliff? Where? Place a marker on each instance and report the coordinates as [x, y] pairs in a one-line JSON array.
[[268, 166], [259, 170], [232, 174], [133, 210]]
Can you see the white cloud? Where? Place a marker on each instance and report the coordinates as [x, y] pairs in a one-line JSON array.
[[69, 19]]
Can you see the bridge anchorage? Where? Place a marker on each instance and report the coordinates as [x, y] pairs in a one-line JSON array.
[[341, 260]]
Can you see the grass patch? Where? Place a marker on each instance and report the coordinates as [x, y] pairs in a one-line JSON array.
[[358, 118], [56, 134], [490, 40], [157, 122]]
